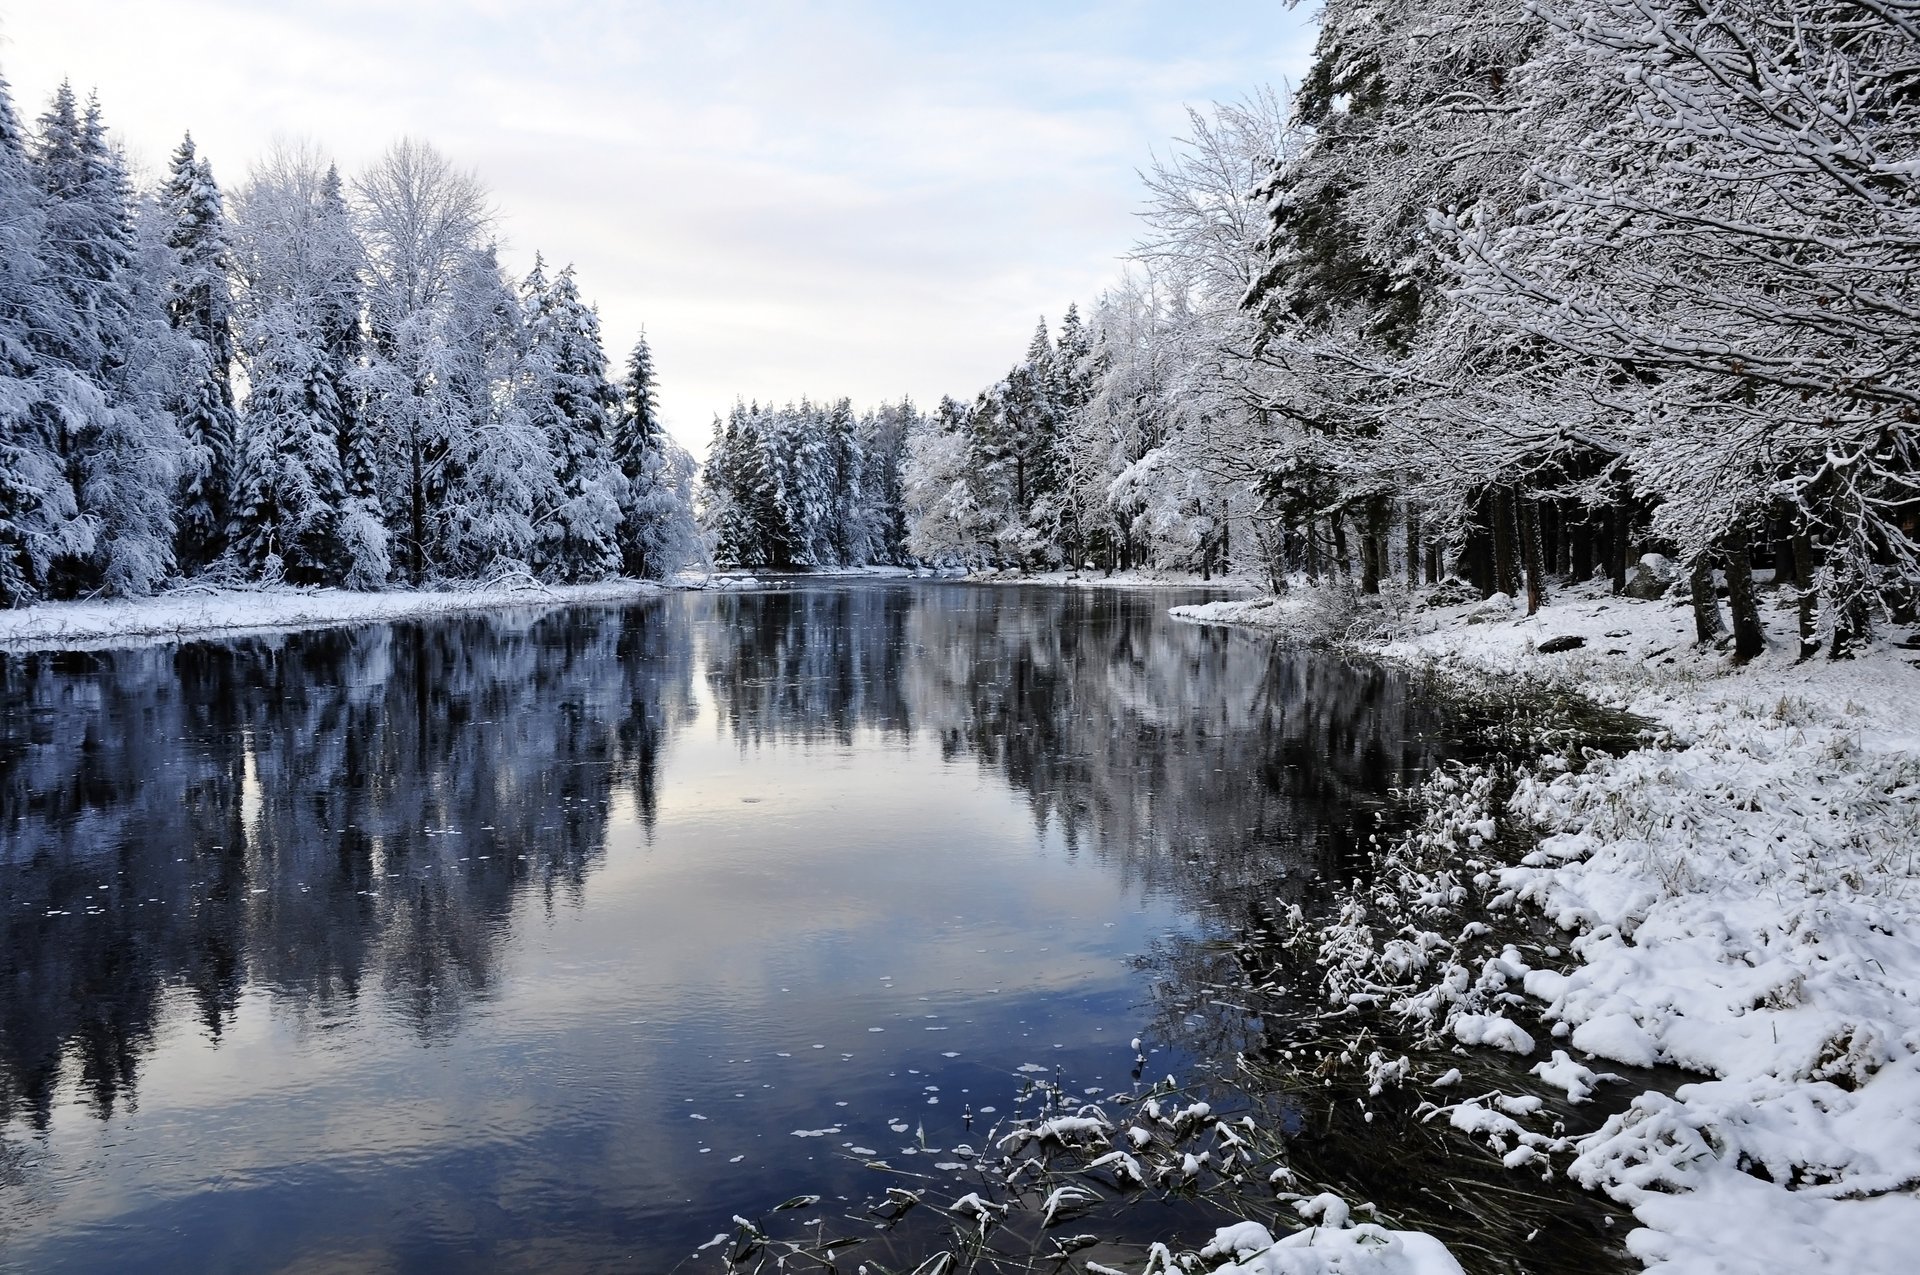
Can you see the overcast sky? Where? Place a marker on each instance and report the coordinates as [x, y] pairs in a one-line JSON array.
[[821, 198]]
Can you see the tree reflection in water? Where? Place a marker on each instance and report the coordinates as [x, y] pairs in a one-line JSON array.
[[357, 818]]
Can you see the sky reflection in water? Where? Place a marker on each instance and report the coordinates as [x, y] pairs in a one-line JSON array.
[[530, 941]]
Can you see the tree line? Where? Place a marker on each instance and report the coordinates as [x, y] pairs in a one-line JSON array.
[[1517, 292], [806, 485], [317, 381]]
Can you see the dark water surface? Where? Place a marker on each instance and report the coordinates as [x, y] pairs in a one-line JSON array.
[[537, 941]]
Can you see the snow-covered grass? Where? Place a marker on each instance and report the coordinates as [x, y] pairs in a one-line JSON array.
[[196, 612], [1740, 899]]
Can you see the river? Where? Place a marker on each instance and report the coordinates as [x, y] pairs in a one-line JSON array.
[[552, 939]]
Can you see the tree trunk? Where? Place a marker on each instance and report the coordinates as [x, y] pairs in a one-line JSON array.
[[417, 517], [1532, 554], [1580, 549], [1708, 627], [1505, 579], [1749, 636], [1341, 561], [1806, 601], [1413, 545], [1371, 567], [1621, 547], [1313, 553]]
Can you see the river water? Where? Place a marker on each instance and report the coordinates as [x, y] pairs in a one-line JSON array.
[[552, 939]]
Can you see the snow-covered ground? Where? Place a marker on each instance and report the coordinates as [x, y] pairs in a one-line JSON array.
[[1092, 578], [1741, 902], [197, 612]]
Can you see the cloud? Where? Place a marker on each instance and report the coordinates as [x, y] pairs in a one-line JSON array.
[[835, 197]]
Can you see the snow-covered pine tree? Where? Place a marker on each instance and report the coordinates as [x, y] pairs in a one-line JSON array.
[[421, 220], [295, 259], [498, 463], [39, 517], [656, 531], [289, 493], [364, 542], [569, 399], [121, 446], [200, 306]]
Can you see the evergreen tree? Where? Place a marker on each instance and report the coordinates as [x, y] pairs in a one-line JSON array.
[[656, 531], [295, 255], [39, 517], [200, 306], [498, 466], [364, 542], [290, 493], [569, 400], [120, 445]]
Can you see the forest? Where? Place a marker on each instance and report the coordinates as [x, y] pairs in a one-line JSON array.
[[1516, 292], [1516, 296], [315, 381]]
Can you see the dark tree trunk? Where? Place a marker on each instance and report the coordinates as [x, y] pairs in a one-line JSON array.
[[1532, 555], [1621, 547], [1806, 600], [1313, 553], [1504, 577], [417, 518], [1413, 545], [1341, 561], [1371, 566], [1435, 563], [1479, 562], [1851, 625], [1708, 627], [1749, 636], [1580, 548]]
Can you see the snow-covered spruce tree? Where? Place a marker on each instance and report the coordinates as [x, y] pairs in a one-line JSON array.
[[1737, 241], [120, 444], [499, 470], [39, 517], [364, 542], [725, 520], [567, 397], [200, 305], [656, 519], [421, 221], [296, 258], [289, 493], [878, 519]]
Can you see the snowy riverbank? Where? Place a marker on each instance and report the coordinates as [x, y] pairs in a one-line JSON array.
[[1144, 578], [1741, 902], [188, 613]]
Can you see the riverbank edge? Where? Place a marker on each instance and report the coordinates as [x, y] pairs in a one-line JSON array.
[[186, 614], [1738, 899], [198, 612]]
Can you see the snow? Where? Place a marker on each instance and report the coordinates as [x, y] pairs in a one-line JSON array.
[[1365, 1249], [193, 612], [1740, 900]]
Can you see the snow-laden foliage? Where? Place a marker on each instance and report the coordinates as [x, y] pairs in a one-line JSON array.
[[806, 485], [1518, 291], [326, 381]]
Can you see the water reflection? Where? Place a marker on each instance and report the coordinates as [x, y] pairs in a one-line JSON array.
[[375, 826]]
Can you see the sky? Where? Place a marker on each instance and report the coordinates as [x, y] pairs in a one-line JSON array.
[[838, 197]]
